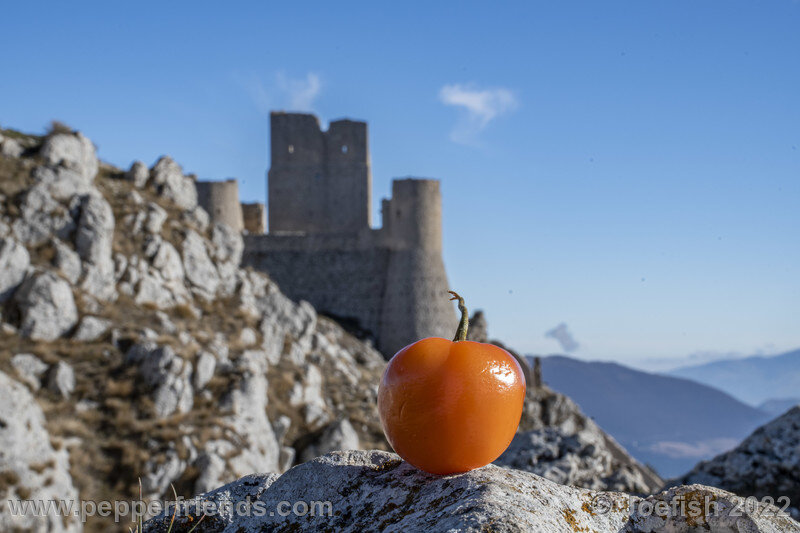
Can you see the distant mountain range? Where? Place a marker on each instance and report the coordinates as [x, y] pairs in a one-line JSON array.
[[754, 380], [668, 422], [778, 406]]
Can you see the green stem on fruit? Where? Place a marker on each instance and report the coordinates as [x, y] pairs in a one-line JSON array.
[[463, 324]]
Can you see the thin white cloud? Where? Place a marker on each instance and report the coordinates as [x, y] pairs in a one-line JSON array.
[[480, 107], [291, 94], [300, 93]]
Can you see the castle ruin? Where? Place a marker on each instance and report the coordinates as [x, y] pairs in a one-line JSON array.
[[388, 283]]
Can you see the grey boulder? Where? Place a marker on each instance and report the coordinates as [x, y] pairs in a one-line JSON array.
[[73, 151], [46, 306], [61, 379], [588, 459], [172, 184], [29, 463], [14, 263], [376, 491], [765, 464], [138, 174]]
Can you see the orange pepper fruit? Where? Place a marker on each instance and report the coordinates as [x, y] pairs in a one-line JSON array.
[[451, 406]]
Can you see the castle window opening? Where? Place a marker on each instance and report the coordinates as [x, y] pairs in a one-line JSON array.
[[291, 148], [344, 148]]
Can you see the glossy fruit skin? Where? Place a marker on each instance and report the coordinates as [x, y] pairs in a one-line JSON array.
[[449, 407]]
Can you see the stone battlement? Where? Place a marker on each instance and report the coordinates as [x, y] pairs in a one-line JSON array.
[[389, 282]]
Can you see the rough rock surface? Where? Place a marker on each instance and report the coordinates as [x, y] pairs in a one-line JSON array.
[[61, 379], [10, 147], [587, 459], [31, 468], [765, 464], [91, 328], [47, 307], [29, 368], [554, 430], [72, 150], [376, 491], [14, 262], [338, 435], [167, 174], [138, 174]]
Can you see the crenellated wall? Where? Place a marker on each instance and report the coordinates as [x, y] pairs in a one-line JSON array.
[[393, 289], [255, 218], [390, 282]]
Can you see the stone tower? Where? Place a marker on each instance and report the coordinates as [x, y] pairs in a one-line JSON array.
[[221, 200], [387, 283], [319, 181], [413, 303]]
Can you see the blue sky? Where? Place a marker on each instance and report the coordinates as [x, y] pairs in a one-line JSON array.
[[630, 169]]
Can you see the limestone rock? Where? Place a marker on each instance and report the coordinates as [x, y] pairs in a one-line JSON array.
[[29, 368], [67, 261], [173, 185], [228, 248], [62, 183], [245, 404], [765, 464], [14, 263], [168, 262], [95, 229], [478, 330], [197, 218], [73, 151], [308, 397], [716, 511], [156, 216], [91, 328], [42, 217], [204, 369], [138, 174], [93, 241], [10, 147], [376, 491], [26, 456], [200, 270], [61, 379], [46, 306], [168, 376], [338, 436], [247, 337], [585, 459]]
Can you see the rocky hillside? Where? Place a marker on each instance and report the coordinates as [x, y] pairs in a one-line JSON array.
[[765, 465], [376, 491], [132, 345]]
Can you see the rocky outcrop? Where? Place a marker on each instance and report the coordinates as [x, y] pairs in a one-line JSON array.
[[29, 369], [558, 441], [376, 491], [30, 469], [73, 151], [46, 306], [765, 465], [585, 459], [14, 262], [167, 175]]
